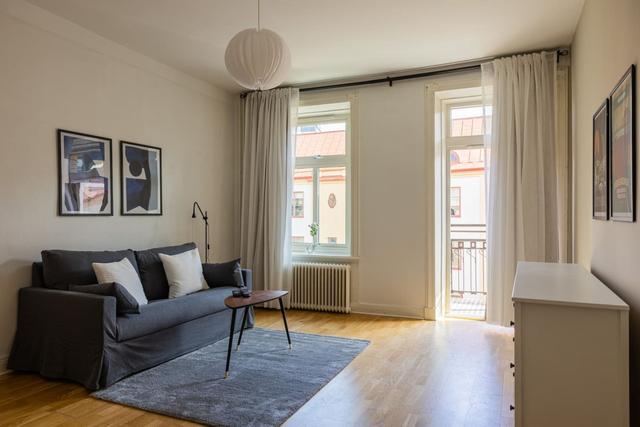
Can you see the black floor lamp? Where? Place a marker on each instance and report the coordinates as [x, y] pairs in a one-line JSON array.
[[205, 217]]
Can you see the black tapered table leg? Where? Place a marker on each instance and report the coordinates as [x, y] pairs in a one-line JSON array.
[[244, 323], [233, 323], [284, 319]]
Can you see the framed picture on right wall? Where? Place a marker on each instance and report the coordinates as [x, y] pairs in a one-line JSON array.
[[622, 200], [600, 162]]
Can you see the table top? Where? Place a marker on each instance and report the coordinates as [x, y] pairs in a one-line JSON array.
[[257, 297], [562, 284]]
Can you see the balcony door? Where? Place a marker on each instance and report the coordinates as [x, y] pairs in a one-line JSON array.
[[465, 212]]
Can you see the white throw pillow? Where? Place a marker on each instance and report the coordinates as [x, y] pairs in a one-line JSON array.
[[121, 272], [184, 273]]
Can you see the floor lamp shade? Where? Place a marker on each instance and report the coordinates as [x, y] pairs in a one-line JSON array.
[[258, 59]]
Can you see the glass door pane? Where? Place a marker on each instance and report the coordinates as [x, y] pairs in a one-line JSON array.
[[332, 205], [467, 289], [302, 205]]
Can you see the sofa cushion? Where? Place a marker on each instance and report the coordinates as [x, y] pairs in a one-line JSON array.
[[37, 276], [64, 268], [154, 280], [166, 313], [184, 273], [121, 272], [125, 302], [223, 274]]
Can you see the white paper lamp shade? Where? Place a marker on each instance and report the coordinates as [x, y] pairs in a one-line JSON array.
[[258, 60]]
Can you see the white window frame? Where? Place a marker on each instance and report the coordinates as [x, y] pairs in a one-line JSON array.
[[318, 162]]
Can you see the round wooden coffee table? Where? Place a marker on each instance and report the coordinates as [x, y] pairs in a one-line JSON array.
[[257, 297]]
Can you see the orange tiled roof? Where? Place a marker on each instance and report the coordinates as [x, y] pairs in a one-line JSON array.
[[467, 160], [320, 144]]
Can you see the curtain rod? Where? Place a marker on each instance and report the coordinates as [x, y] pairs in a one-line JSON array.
[[389, 80]]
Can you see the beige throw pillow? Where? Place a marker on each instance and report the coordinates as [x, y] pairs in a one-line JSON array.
[[125, 274], [184, 273]]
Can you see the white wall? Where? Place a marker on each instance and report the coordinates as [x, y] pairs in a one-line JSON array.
[[605, 44], [392, 226], [396, 198], [54, 74]]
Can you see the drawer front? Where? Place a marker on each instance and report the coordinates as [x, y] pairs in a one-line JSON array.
[[568, 366]]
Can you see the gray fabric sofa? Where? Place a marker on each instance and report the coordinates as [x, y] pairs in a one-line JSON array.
[[79, 336]]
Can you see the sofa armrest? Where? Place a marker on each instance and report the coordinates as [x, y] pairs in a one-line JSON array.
[[62, 334], [73, 313], [247, 276]]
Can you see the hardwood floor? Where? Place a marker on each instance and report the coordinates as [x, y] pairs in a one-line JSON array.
[[414, 373]]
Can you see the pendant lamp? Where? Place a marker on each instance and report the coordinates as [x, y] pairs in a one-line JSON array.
[[257, 58]]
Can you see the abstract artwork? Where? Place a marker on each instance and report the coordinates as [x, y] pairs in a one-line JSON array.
[[141, 179], [84, 174], [600, 162], [622, 149]]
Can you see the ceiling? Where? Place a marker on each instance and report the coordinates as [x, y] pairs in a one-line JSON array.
[[328, 39]]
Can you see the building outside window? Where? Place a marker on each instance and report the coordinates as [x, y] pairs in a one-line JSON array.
[[322, 185], [455, 202], [297, 204]]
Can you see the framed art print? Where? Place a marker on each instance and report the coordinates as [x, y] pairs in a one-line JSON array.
[[85, 183], [600, 162], [622, 149], [141, 179]]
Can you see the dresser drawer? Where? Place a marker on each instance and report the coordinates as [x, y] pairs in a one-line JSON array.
[[571, 349]]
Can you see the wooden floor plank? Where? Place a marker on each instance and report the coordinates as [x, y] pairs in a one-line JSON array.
[[414, 373]]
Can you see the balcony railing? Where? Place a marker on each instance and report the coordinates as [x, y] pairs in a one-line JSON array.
[[468, 259]]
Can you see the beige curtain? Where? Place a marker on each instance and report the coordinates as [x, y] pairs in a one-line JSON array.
[[527, 177], [267, 138], [564, 160]]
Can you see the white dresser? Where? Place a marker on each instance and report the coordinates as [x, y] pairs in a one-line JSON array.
[[571, 349]]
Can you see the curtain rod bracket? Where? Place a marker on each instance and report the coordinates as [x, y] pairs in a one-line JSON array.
[[561, 52]]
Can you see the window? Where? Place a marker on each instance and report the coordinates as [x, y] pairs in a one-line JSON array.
[[321, 186], [303, 182], [467, 120], [297, 204], [455, 202]]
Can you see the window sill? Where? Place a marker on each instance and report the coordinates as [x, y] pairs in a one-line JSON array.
[[344, 259]]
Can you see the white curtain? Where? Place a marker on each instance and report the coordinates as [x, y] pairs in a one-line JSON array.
[[522, 220], [267, 137]]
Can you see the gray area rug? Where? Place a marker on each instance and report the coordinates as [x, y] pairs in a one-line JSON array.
[[267, 382]]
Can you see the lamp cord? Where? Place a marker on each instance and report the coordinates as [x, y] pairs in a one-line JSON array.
[[208, 242], [258, 3]]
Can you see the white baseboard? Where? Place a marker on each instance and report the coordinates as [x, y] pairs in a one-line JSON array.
[[388, 310], [3, 365]]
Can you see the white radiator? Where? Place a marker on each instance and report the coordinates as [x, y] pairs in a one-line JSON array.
[[320, 286]]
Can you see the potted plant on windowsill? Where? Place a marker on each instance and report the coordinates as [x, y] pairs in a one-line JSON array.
[[313, 231]]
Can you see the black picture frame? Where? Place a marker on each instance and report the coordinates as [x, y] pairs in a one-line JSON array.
[[139, 210], [67, 209], [622, 148], [600, 163]]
